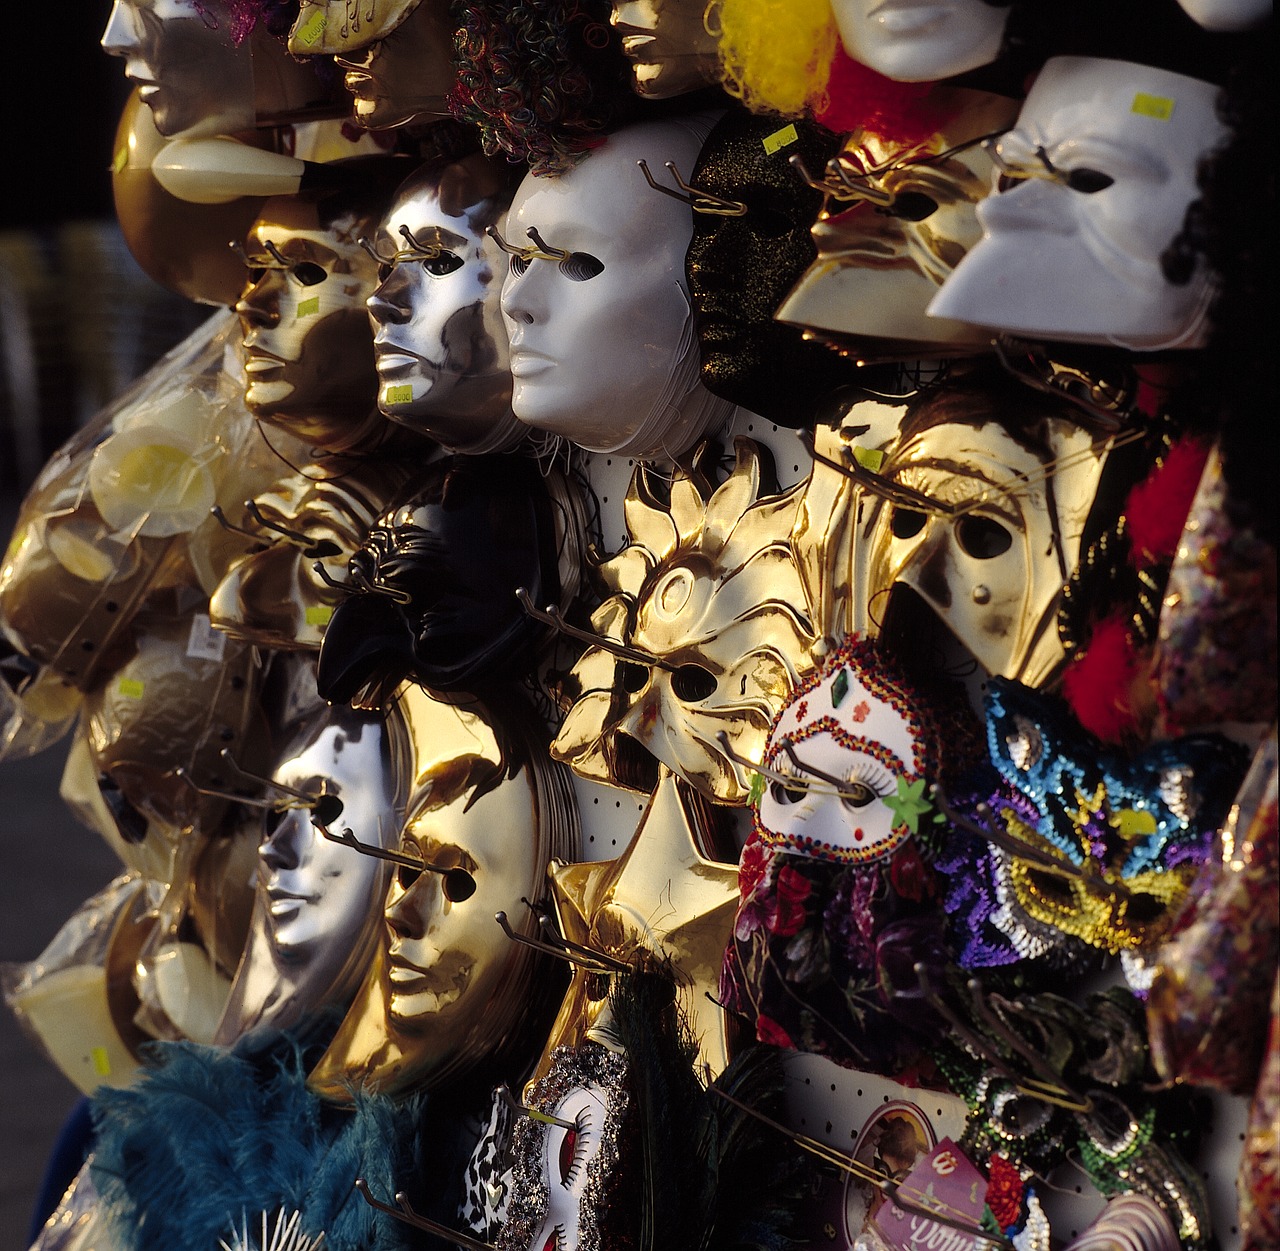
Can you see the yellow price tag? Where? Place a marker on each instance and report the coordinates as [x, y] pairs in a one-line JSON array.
[[1131, 823], [131, 688], [1159, 107], [401, 393], [779, 139], [318, 615], [868, 458], [310, 31], [101, 1061], [120, 160], [308, 308]]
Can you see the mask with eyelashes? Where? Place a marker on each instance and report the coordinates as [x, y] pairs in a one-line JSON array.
[[839, 893]]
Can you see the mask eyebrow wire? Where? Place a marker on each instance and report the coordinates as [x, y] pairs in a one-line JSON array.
[[887, 1186], [523, 1109], [403, 1211], [550, 616], [705, 202], [597, 962]]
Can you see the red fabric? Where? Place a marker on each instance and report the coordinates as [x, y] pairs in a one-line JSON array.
[[858, 98], [1099, 681], [1157, 507]]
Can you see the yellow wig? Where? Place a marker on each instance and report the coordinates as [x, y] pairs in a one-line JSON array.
[[776, 53]]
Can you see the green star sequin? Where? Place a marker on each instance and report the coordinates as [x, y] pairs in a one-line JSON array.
[[910, 804]]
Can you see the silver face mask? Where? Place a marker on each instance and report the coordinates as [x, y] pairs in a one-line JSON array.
[[316, 917]]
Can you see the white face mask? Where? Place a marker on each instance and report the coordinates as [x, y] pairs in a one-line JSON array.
[[1228, 14], [439, 344], [916, 41], [602, 344], [1103, 165], [188, 72]]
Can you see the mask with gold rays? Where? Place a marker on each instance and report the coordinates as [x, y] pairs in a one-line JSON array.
[[978, 514], [1131, 832], [704, 634], [275, 597], [448, 992], [895, 223]]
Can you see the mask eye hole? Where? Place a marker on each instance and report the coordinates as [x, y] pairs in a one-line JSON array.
[[693, 683], [255, 274], [271, 823], [581, 266], [309, 273], [568, 1148], [406, 877], [785, 796], [1088, 181], [857, 795], [458, 885], [912, 206], [982, 538], [632, 677], [519, 264], [906, 523], [444, 264]]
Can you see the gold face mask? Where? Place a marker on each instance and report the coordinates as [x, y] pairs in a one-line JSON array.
[[275, 597], [704, 635], [668, 45], [979, 509], [397, 54], [896, 221], [448, 990], [308, 346], [159, 724]]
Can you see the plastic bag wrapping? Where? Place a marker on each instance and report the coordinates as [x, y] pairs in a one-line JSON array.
[[184, 966], [75, 1224], [37, 714], [75, 999], [1258, 1185], [124, 508], [158, 728], [1207, 1009]]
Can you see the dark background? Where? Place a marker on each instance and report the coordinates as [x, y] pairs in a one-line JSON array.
[[59, 268]]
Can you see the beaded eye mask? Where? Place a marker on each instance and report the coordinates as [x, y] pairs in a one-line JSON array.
[[844, 767], [1112, 841]]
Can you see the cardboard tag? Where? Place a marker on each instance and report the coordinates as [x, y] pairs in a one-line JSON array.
[[943, 1180]]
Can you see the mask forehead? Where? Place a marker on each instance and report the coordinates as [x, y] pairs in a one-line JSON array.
[[329, 27]]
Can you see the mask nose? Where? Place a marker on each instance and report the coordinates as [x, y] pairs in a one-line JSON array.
[[389, 304], [257, 307], [281, 849], [410, 915], [1038, 205], [120, 37]]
